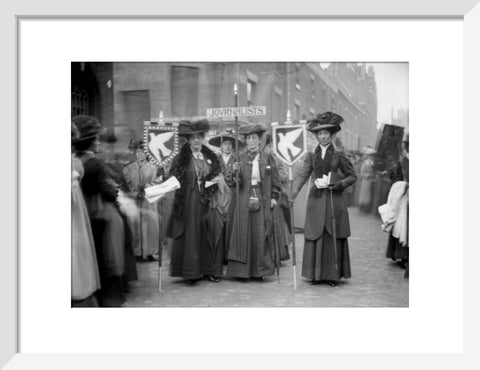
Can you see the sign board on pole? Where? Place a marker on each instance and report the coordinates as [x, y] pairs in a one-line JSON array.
[[216, 113], [161, 142], [289, 142]]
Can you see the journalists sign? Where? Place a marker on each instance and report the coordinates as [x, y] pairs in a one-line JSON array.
[[215, 113]]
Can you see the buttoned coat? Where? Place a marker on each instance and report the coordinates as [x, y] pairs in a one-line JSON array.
[[319, 215], [270, 185]]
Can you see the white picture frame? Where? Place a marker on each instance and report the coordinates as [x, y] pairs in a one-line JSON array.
[[13, 13]]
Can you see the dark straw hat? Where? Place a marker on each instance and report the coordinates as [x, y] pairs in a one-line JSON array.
[[252, 129], [88, 127], [326, 121], [225, 136], [186, 128]]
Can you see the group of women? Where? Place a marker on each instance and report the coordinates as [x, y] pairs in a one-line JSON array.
[[246, 240], [228, 211]]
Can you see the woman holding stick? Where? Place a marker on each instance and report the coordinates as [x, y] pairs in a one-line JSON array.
[[251, 255], [327, 227]]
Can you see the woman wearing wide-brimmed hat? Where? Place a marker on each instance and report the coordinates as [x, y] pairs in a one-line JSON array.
[[319, 248], [250, 254], [139, 175], [193, 257], [227, 143], [100, 194]]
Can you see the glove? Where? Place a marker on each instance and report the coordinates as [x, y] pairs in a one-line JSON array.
[[337, 186]]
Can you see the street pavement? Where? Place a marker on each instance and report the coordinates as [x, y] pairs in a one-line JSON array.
[[376, 281]]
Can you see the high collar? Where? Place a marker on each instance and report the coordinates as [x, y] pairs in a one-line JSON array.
[[324, 148]]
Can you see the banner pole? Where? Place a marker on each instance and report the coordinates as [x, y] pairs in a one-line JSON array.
[[292, 218], [237, 172]]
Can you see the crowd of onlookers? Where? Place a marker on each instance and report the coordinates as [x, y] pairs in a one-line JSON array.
[[376, 187]]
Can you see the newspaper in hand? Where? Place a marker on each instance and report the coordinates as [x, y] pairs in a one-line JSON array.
[[213, 181], [156, 192], [323, 182]]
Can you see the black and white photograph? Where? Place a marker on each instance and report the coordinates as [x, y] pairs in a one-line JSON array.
[[240, 184]]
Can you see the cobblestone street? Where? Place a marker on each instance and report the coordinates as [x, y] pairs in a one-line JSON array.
[[376, 281]]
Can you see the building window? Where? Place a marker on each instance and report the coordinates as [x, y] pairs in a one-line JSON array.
[[296, 111], [250, 92], [80, 104], [184, 91], [277, 104]]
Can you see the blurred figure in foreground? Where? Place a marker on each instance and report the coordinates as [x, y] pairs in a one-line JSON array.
[[395, 212], [107, 224], [85, 275]]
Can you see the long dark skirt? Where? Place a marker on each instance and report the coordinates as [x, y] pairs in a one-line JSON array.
[[318, 259], [395, 251], [227, 230], [259, 259], [191, 254]]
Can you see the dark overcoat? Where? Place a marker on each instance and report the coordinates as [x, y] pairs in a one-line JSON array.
[[192, 256], [319, 215], [270, 188]]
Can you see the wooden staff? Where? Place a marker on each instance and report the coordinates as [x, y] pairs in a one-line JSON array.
[[292, 218], [334, 229], [160, 249], [276, 242], [237, 172]]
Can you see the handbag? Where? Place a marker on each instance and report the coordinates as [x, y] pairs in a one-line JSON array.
[[253, 202]]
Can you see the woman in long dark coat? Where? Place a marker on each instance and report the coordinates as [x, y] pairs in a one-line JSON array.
[[250, 254], [192, 256], [318, 254], [227, 143]]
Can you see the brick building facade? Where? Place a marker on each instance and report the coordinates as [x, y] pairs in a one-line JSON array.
[[124, 95]]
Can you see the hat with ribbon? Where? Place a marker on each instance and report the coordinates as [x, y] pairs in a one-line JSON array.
[[186, 128], [326, 121], [226, 136]]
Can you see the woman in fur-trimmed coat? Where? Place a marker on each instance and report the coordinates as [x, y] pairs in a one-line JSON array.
[[192, 257]]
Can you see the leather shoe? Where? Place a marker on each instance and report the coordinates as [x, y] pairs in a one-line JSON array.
[[212, 279]]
